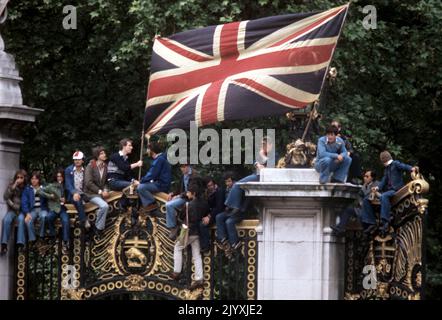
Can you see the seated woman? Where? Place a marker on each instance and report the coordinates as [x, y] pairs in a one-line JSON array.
[[55, 193], [12, 197]]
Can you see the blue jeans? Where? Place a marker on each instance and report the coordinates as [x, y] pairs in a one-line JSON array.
[[171, 211], [145, 191], [204, 233], [118, 185], [368, 215], [8, 222], [65, 226], [225, 226], [30, 225], [103, 208], [235, 199], [44, 221], [79, 206], [325, 166]]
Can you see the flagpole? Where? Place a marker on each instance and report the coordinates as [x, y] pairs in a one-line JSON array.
[[327, 73], [142, 137], [333, 51], [144, 121]]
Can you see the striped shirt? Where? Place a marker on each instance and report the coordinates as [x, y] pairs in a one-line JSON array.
[[36, 199]]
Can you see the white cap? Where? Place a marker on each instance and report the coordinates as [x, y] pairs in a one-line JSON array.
[[78, 155]]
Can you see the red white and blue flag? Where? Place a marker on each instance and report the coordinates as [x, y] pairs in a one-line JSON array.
[[240, 70]]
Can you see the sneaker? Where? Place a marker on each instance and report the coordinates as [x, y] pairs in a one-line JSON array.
[[221, 243], [4, 249]]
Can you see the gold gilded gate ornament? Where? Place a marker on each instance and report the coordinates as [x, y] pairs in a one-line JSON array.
[[127, 248]]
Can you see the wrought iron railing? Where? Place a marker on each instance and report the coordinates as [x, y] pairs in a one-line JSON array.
[[389, 266], [133, 259]]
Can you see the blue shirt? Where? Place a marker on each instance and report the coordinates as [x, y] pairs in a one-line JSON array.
[[331, 150], [160, 173], [392, 179]]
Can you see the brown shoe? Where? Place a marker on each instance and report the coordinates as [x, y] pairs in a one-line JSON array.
[[196, 285], [150, 207]]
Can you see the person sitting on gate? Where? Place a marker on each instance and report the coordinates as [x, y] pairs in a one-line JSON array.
[[157, 179], [332, 157], [391, 182], [226, 235], [33, 205], [95, 186], [197, 208], [55, 193], [215, 199], [355, 211], [12, 197], [236, 202], [177, 199], [119, 170], [355, 170], [74, 185]]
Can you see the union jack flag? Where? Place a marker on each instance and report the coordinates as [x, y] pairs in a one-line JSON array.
[[240, 70]]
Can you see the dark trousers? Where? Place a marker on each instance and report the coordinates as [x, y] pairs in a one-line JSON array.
[[205, 233], [355, 170]]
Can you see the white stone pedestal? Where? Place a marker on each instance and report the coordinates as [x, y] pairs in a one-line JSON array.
[[298, 258]]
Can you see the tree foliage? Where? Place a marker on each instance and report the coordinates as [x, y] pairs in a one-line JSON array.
[[92, 81]]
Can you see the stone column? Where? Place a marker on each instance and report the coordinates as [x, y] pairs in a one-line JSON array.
[[298, 258], [13, 116]]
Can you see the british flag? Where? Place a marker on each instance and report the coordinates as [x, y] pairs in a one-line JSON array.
[[240, 70]]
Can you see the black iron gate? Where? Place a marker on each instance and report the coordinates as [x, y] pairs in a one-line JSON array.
[[390, 266], [133, 259]]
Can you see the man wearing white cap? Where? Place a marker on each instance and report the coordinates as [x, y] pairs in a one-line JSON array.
[[74, 183]]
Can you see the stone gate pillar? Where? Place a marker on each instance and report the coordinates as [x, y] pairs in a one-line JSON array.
[[298, 258], [13, 116]]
